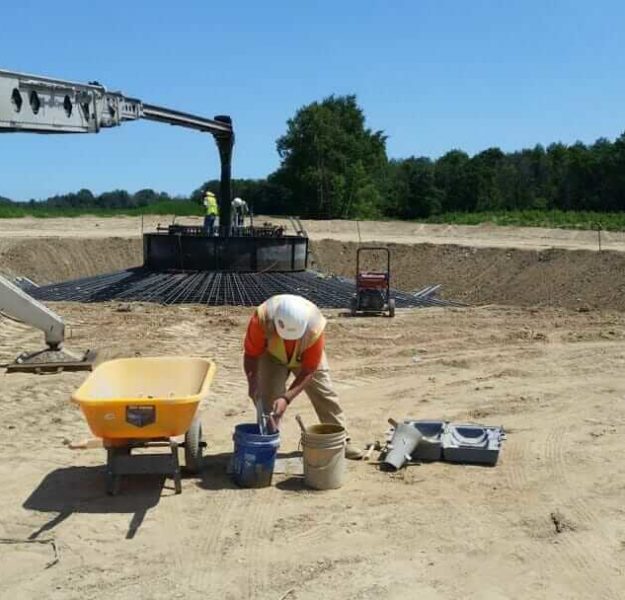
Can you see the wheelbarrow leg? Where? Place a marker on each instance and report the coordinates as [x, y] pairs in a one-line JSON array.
[[176, 467], [120, 461], [112, 479]]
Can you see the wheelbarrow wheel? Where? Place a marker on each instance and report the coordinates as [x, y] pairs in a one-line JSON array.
[[193, 447], [391, 307]]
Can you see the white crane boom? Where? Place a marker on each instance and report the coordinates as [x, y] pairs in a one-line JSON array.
[[40, 104]]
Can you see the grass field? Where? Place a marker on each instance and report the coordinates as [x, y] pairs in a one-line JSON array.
[[558, 219], [173, 207]]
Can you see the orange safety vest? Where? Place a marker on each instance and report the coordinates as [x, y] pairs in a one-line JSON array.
[[275, 344]]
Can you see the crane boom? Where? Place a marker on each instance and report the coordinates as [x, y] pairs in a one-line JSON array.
[[44, 105], [39, 104]]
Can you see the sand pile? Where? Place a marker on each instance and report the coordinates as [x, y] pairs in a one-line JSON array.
[[47, 260], [553, 277]]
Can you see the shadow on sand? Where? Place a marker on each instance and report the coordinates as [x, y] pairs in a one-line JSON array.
[[82, 490]]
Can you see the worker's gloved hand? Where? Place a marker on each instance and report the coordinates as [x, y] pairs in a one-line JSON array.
[[278, 409]]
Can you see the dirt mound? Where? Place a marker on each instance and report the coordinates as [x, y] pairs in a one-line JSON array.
[[48, 260], [554, 277]]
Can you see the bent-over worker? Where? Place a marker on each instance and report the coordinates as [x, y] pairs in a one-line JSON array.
[[286, 335], [212, 212], [240, 211]]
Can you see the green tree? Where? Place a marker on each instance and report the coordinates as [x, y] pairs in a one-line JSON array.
[[412, 192], [482, 173], [613, 165], [330, 162], [452, 177]]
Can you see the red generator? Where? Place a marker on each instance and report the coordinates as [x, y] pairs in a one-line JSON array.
[[373, 288]]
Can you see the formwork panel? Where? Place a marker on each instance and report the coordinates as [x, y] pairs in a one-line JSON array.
[[234, 254]]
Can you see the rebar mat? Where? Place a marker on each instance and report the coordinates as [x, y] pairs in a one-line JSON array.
[[218, 289]]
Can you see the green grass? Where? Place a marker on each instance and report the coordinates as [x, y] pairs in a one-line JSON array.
[[174, 207], [537, 218]]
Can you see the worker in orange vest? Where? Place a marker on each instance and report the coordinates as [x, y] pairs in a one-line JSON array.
[[286, 334]]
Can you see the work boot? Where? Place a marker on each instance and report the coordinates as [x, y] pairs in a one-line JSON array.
[[353, 452]]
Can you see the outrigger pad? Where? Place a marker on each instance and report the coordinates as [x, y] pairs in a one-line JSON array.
[[51, 361]]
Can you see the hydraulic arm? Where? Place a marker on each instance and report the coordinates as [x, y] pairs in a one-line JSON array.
[[36, 104]]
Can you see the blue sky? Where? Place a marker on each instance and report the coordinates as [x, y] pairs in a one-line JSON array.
[[433, 74]]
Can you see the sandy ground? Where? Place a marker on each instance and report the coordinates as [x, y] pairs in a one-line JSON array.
[[547, 522], [346, 231]]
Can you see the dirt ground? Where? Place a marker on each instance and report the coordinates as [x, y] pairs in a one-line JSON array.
[[547, 522], [404, 232]]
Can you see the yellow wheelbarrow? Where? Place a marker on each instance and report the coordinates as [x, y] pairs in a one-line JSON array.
[[133, 403]]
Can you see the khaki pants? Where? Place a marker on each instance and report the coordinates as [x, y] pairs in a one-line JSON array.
[[272, 377]]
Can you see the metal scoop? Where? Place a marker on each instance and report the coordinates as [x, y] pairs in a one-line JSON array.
[[266, 423]]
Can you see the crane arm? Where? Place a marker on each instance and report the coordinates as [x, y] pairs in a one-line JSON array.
[[17, 304], [38, 104]]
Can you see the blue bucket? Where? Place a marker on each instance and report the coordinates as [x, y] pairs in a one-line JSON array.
[[254, 456]]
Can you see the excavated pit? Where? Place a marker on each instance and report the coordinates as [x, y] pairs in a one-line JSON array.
[[53, 259], [553, 277]]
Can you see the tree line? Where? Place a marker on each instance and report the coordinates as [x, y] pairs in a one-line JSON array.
[[333, 166], [115, 199]]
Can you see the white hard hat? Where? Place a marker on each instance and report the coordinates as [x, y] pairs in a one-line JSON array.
[[291, 317]]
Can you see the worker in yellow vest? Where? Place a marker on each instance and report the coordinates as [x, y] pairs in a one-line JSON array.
[[212, 212], [286, 334]]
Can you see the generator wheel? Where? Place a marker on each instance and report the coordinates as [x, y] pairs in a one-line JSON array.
[[353, 306], [391, 307], [193, 447]]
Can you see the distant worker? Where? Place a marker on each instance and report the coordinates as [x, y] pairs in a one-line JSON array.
[[239, 211], [212, 212], [286, 335]]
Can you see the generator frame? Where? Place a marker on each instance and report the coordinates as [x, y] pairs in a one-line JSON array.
[[373, 288]]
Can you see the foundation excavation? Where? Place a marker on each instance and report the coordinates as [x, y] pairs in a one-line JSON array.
[[231, 265]]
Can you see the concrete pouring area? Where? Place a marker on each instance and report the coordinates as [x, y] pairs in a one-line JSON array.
[[539, 351], [181, 264]]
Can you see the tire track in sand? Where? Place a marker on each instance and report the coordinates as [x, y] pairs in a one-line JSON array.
[[256, 525], [195, 537], [516, 455], [594, 567]]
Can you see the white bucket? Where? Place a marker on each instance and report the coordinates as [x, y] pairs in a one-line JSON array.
[[324, 456]]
